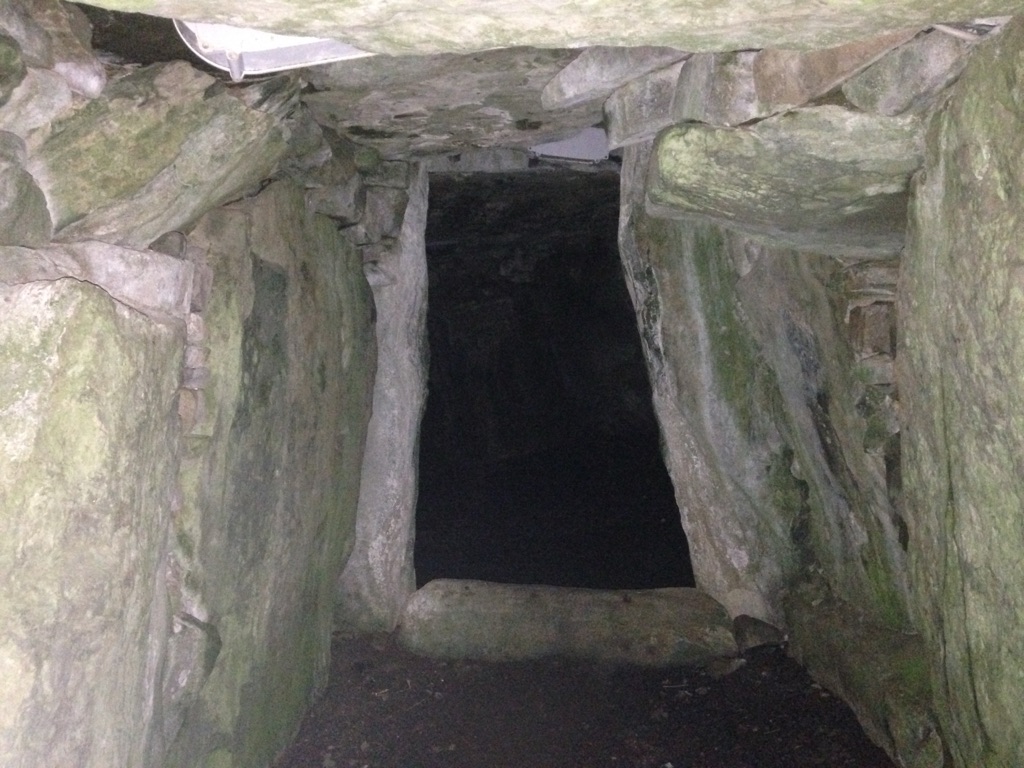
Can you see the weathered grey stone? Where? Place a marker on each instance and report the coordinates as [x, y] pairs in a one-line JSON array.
[[479, 161], [308, 148], [69, 31], [718, 89], [270, 477], [173, 244], [158, 286], [506, 622], [785, 79], [189, 153], [24, 217], [12, 67], [881, 673], [763, 412], [706, 378], [406, 26], [419, 105], [379, 578], [641, 108], [12, 148], [823, 179], [88, 460], [599, 70], [343, 202], [835, 426], [384, 212], [40, 98], [35, 44], [911, 76], [389, 173], [753, 633], [960, 375], [195, 378]]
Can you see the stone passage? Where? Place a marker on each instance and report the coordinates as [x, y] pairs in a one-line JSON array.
[[539, 460]]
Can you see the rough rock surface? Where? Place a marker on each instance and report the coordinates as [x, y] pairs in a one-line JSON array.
[[191, 148], [151, 283], [55, 36], [786, 78], [910, 77], [824, 179], [423, 105], [270, 473], [88, 458], [962, 353], [598, 71], [378, 577], [642, 107], [455, 619], [40, 98], [880, 672], [24, 217], [409, 26]]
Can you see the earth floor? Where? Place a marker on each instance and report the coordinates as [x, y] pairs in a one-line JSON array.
[[385, 708]]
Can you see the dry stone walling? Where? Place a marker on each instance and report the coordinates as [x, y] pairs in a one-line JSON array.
[[182, 427]]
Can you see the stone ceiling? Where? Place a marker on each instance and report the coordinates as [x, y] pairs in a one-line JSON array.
[[452, 26], [467, 89]]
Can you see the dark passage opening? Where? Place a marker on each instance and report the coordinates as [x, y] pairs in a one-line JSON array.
[[539, 452]]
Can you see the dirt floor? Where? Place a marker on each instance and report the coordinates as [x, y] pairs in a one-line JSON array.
[[385, 708]]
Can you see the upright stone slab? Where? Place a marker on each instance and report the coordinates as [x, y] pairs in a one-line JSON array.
[[708, 386], [88, 466], [379, 578], [270, 474], [961, 375]]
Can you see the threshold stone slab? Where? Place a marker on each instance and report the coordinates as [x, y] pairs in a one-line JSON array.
[[459, 619]]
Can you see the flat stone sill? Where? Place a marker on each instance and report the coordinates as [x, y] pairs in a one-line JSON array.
[[459, 619]]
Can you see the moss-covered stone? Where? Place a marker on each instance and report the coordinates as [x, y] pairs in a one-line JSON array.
[[406, 26], [961, 377], [715, 399], [822, 179], [188, 153], [88, 457], [271, 476], [881, 673]]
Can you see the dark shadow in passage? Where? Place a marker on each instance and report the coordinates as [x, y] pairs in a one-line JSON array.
[[539, 454]]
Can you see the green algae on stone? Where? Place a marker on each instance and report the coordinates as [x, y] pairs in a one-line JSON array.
[[87, 460], [822, 179], [152, 154], [411, 27], [271, 476], [961, 356], [880, 672]]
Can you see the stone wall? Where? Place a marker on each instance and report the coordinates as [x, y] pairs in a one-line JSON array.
[[270, 476], [183, 407], [962, 354]]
